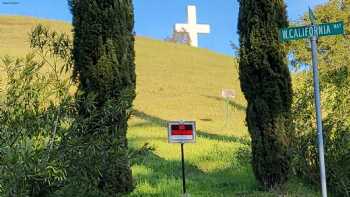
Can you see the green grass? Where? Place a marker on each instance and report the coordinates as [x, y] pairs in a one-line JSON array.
[[177, 82]]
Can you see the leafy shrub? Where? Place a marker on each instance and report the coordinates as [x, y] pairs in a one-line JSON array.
[[333, 56], [244, 153], [336, 123], [35, 114]]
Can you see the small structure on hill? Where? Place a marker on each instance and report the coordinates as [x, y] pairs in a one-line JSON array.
[[181, 37]]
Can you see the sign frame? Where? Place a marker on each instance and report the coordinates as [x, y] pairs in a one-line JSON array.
[[182, 141], [227, 93]]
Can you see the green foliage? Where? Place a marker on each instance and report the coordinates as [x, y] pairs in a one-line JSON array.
[[336, 133], [35, 111], [244, 152], [335, 82], [332, 50], [266, 84], [104, 66]]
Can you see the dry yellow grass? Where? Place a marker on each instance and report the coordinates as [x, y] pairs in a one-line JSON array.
[[173, 81]]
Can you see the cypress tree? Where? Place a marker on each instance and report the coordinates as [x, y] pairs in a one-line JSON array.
[[266, 84], [104, 66]]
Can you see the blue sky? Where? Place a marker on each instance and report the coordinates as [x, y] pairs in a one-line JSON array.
[[155, 18]]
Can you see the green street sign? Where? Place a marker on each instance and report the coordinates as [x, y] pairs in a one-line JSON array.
[[326, 29]]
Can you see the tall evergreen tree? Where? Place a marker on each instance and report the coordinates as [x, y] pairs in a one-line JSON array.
[[266, 84], [104, 67]]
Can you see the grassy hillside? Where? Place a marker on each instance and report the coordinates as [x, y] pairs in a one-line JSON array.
[[176, 82]]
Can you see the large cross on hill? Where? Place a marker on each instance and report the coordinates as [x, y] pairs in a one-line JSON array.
[[192, 28]]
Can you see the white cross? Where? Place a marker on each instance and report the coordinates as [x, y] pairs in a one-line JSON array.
[[192, 28]]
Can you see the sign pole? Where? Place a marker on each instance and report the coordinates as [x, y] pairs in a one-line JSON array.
[[182, 132], [227, 94], [318, 114], [313, 32], [183, 169], [226, 111]]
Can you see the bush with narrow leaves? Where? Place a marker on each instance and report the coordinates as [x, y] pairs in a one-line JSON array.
[[35, 114]]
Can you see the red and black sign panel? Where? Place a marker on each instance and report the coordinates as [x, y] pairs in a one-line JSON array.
[[181, 131]]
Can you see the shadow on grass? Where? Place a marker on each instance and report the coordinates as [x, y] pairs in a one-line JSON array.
[[223, 138], [149, 118], [165, 176], [167, 168], [153, 120], [232, 103]]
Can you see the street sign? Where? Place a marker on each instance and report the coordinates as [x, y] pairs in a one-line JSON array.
[[325, 29], [181, 131]]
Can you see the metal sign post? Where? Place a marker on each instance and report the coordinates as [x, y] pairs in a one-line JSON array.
[[313, 32], [183, 169], [182, 132], [318, 114]]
